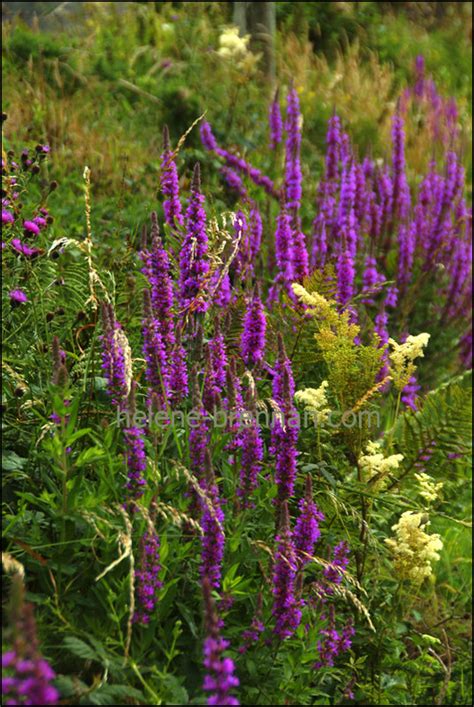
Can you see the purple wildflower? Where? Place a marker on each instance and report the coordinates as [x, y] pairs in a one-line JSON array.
[[284, 429], [218, 353], [371, 278], [251, 635], [198, 435], [286, 608], [157, 269], [251, 444], [407, 243], [234, 182], [335, 570], [17, 297], [147, 583], [170, 184], [391, 299], [26, 675], [238, 163], [255, 234], [221, 289], [333, 142], [306, 532], [283, 249], [212, 523], [24, 249], [136, 461], [293, 175], [345, 276], [31, 228], [7, 217], [401, 192], [410, 393], [275, 122], [219, 679], [155, 354], [252, 343], [40, 222], [333, 642], [178, 372], [114, 356], [194, 264]]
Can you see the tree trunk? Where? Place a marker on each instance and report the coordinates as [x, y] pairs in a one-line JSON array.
[[239, 17], [259, 20]]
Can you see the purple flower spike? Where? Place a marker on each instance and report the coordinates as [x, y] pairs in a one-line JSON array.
[[284, 250], [220, 677], [345, 276], [157, 270], [170, 184], [252, 344], [334, 572], [114, 357], [284, 429], [410, 394], [293, 175], [238, 163], [286, 608], [212, 523], [333, 642], [401, 191], [306, 532], [178, 379], [26, 675], [275, 122], [251, 445], [147, 583], [136, 462], [194, 263]]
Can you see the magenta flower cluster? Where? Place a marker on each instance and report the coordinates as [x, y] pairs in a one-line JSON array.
[[26, 676], [147, 581]]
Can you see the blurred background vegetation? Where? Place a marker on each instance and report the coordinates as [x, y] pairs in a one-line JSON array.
[[97, 81]]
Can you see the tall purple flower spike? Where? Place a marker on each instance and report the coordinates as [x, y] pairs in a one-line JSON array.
[[170, 184], [306, 532], [194, 262], [252, 343], [275, 122], [113, 357], [147, 582], [237, 163], [219, 678], [284, 429], [26, 676], [212, 523], [286, 608]]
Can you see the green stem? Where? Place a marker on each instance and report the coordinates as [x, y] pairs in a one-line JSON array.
[[397, 412]]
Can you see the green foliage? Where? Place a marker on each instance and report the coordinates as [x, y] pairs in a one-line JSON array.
[[445, 418]]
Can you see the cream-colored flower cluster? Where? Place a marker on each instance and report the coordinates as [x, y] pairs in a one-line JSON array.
[[402, 358], [231, 45], [317, 304], [429, 489], [414, 550], [375, 466], [315, 402]]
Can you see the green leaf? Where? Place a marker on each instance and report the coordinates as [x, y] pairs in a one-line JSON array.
[[12, 462], [80, 648]]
